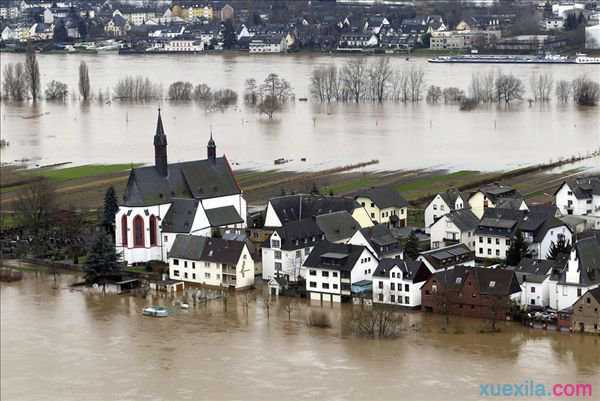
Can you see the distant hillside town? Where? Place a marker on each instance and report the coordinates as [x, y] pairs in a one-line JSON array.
[[371, 26]]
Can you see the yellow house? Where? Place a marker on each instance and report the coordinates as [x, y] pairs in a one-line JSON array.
[[200, 11], [489, 196], [384, 205], [463, 26]]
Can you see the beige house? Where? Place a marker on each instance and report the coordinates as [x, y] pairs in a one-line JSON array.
[[489, 196], [586, 312], [384, 205]]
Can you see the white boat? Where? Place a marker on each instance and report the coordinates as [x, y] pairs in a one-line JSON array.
[[155, 311], [582, 58], [184, 306]]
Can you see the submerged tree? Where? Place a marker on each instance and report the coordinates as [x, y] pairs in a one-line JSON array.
[[585, 91], [32, 73], [84, 81], [509, 88], [56, 90]]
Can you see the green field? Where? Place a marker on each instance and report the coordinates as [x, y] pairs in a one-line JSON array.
[[432, 184], [88, 170]]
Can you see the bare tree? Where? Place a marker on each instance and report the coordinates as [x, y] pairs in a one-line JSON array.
[[318, 318], [585, 91], [267, 306], [541, 86], [84, 82], [563, 91], [56, 90], [275, 91], [180, 91], [224, 98], [137, 89], [332, 84], [251, 92], [289, 307], [353, 78], [14, 84], [453, 95], [32, 73], [379, 76], [416, 79], [434, 94], [202, 93], [376, 323], [318, 84], [508, 88]]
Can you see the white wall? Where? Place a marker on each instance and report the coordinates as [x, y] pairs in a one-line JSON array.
[[434, 210], [497, 249], [291, 260], [399, 282]]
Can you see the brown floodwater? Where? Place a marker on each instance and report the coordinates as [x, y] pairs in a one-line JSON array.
[[401, 136], [62, 344]]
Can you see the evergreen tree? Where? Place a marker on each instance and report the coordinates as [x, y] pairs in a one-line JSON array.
[[111, 207], [558, 248], [518, 250], [102, 259], [411, 248]]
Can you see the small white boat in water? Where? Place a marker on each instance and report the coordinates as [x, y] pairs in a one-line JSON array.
[[184, 306], [155, 311]]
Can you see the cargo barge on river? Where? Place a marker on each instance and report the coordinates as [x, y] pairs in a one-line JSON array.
[[515, 59]]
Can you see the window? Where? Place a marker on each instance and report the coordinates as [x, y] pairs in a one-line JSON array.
[[380, 297], [334, 274], [380, 284], [481, 240], [275, 243], [176, 273], [406, 287], [124, 230], [176, 262], [489, 251], [497, 241], [325, 274], [206, 275], [481, 250], [325, 286], [393, 275], [306, 251], [152, 230], [193, 265], [489, 240], [372, 215], [206, 264], [372, 204], [277, 254], [185, 275], [313, 284], [313, 272], [507, 242], [166, 238], [138, 231], [588, 300], [185, 263], [406, 300], [194, 276], [579, 292], [277, 266], [298, 254], [335, 286], [497, 252], [532, 289], [392, 298], [392, 286]]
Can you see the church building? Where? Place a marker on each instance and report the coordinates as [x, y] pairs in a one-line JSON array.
[[200, 197]]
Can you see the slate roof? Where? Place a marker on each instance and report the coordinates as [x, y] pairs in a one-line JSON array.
[[534, 270], [299, 234], [453, 278], [218, 250], [499, 282], [464, 219], [451, 196], [327, 255], [337, 226], [595, 293], [499, 222], [583, 188], [223, 216], [509, 203], [180, 216], [409, 268], [200, 179], [449, 256], [383, 197], [288, 207]]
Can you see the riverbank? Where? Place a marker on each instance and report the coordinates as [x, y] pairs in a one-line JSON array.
[[85, 186]]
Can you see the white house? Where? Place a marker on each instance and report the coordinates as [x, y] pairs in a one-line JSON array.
[[580, 197], [357, 41], [273, 43], [333, 268], [442, 204], [380, 240], [458, 226], [581, 274], [211, 261], [384, 205], [447, 258], [288, 247], [179, 44], [399, 282], [283, 209], [592, 37], [534, 278], [197, 197]]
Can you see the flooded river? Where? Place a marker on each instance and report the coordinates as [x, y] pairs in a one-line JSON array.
[[59, 344], [401, 136]]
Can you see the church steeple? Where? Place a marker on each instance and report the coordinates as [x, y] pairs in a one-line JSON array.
[[160, 148], [211, 149]]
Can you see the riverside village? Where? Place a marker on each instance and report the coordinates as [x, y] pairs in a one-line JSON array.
[[185, 229]]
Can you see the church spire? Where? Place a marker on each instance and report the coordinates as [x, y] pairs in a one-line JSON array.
[[160, 148], [211, 149]]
